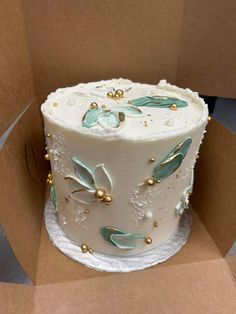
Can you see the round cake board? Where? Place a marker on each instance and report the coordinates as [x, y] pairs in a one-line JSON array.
[[111, 263]]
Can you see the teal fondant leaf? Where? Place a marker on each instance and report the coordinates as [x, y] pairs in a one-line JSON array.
[[167, 166], [84, 173], [182, 148], [126, 241], [129, 111], [106, 232], [111, 119], [91, 117], [158, 102], [53, 196]]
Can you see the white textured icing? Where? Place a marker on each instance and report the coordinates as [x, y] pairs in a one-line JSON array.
[[73, 102], [125, 154]]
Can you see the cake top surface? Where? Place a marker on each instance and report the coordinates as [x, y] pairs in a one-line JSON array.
[[142, 112]]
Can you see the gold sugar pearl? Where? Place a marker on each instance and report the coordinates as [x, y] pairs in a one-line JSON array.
[[120, 93], [152, 159], [148, 240], [107, 199], [91, 251], [158, 181], [173, 107], [55, 104], [110, 95], [145, 123], [84, 248], [116, 96], [48, 135], [93, 105], [100, 194], [86, 211], [47, 157], [209, 118], [50, 182], [50, 175], [150, 182], [155, 223]]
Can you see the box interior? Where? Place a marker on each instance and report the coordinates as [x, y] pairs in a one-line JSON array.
[[47, 45]]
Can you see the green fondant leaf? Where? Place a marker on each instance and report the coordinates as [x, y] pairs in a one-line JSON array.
[[111, 119], [158, 102], [167, 166], [129, 111], [106, 232], [126, 241], [84, 173], [91, 117], [53, 196], [182, 148]]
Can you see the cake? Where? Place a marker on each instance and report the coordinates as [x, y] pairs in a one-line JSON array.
[[122, 156]]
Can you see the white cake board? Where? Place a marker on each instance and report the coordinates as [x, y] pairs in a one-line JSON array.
[[116, 264]]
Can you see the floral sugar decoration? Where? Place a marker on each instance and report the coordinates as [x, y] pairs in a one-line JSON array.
[[89, 185]]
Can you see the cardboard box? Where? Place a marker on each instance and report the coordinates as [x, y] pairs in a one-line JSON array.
[[49, 44]]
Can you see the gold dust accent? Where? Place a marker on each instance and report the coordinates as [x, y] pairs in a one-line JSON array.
[[55, 104], [86, 211], [155, 223], [167, 161], [84, 248], [173, 107], [100, 194], [152, 159], [47, 157], [209, 118], [148, 240], [149, 181], [91, 251], [93, 105]]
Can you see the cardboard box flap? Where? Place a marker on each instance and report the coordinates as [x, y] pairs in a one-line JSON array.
[[22, 188], [231, 261], [53, 266], [204, 287], [16, 84], [16, 299], [207, 51], [214, 185]]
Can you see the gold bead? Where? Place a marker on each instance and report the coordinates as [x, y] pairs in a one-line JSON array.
[[55, 104], [48, 135], [149, 181], [50, 182], [173, 107], [152, 159], [107, 199], [155, 223], [84, 248], [91, 251], [110, 95], [46, 148], [47, 157], [50, 175], [158, 181], [120, 93], [116, 96], [99, 194], [148, 240], [86, 211], [93, 105], [209, 118]]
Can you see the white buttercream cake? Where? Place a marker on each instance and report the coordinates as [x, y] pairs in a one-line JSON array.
[[122, 156]]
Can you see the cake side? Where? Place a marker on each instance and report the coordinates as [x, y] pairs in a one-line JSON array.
[[146, 178]]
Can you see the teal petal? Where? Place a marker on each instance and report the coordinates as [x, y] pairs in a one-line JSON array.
[[111, 119], [106, 232], [129, 111], [127, 241], [84, 173], [167, 166], [91, 117], [158, 102], [53, 196], [183, 147]]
